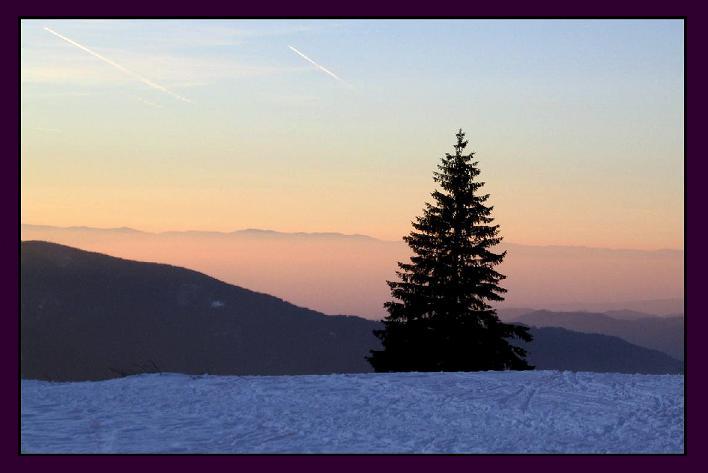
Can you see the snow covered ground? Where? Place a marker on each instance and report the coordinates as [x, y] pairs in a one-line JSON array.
[[515, 412]]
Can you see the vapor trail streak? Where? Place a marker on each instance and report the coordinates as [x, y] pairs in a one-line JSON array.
[[318, 66], [134, 75]]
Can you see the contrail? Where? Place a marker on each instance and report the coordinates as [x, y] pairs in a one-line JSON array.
[[318, 66], [142, 79]]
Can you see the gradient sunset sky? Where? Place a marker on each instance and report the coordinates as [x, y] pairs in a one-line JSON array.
[[222, 125]]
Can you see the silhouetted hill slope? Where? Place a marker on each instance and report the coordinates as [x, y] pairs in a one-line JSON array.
[[659, 333], [560, 349], [91, 316]]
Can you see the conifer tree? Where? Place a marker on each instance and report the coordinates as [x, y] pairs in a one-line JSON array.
[[441, 318]]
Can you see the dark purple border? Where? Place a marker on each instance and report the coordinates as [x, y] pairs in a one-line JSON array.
[[359, 464]]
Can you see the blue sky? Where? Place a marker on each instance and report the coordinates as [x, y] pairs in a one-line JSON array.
[[578, 125]]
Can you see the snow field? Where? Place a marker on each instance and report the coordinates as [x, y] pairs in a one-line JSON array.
[[487, 412]]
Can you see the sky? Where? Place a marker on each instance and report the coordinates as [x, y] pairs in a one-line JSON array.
[[337, 126]]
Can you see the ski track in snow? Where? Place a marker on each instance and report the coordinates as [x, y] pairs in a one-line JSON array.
[[487, 412]]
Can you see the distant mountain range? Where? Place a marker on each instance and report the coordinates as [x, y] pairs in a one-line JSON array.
[[87, 316], [556, 348], [665, 334], [672, 306], [552, 250], [247, 232]]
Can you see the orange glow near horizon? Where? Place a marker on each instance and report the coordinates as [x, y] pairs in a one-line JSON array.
[[348, 275]]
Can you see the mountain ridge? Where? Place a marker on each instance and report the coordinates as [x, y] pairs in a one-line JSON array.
[[659, 333], [270, 232]]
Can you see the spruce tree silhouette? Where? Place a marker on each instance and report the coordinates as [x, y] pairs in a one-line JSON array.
[[440, 319]]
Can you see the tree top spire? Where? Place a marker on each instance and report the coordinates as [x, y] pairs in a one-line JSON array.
[[461, 142]]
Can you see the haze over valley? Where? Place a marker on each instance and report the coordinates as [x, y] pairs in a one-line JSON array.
[[346, 274]]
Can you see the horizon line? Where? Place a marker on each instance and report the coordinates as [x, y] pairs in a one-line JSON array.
[[326, 233]]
